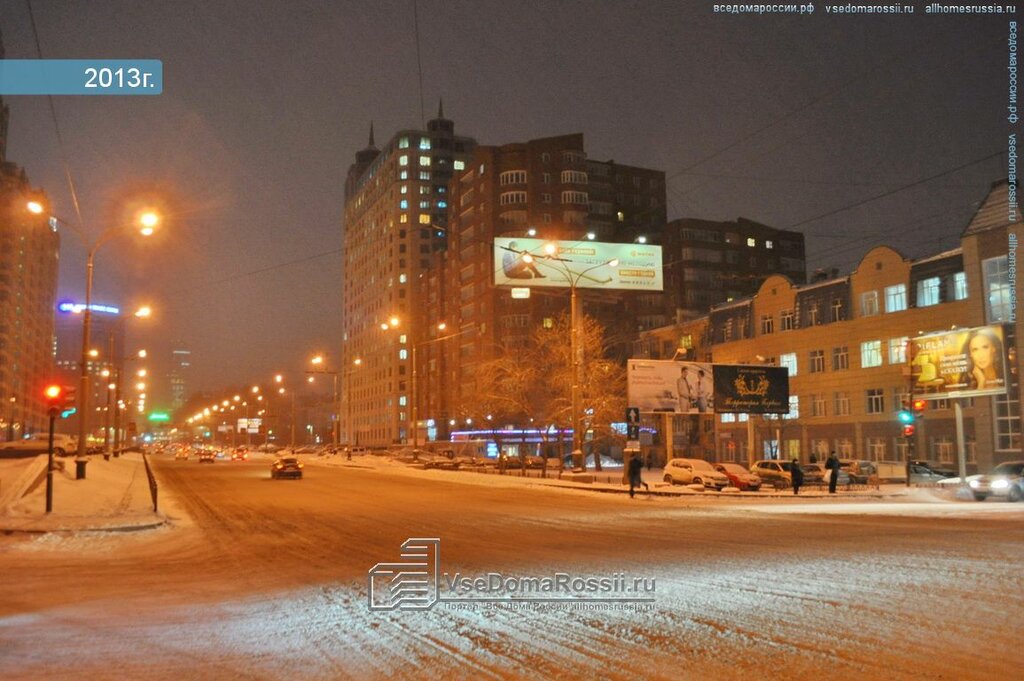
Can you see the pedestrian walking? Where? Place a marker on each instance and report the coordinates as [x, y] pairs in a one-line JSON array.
[[797, 474], [636, 466], [832, 465]]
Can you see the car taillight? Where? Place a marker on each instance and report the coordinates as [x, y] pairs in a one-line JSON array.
[[277, 465]]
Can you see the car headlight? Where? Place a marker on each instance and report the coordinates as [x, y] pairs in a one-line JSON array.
[[1000, 484], [973, 483]]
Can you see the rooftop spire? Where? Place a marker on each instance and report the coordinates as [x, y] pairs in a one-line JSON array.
[[440, 107], [371, 145]]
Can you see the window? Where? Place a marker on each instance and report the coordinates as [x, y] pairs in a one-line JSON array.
[[817, 361], [876, 401], [837, 310], [424, 160], [769, 245], [996, 284], [403, 218], [512, 198], [871, 354], [728, 418], [818, 405], [573, 177], [812, 314], [404, 204], [545, 157], [876, 448], [841, 404], [403, 175], [512, 177], [943, 449], [896, 298], [403, 143], [751, 242], [403, 160], [442, 204], [788, 360], [424, 190], [424, 220], [424, 143], [767, 324], [575, 197], [545, 198], [424, 205], [959, 286], [460, 165], [424, 174], [840, 358], [404, 189], [794, 408], [898, 350], [788, 320], [928, 291], [869, 303]]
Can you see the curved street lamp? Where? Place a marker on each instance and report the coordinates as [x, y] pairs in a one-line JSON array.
[[147, 223]]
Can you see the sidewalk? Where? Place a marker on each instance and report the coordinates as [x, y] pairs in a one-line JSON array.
[[113, 497], [607, 481]]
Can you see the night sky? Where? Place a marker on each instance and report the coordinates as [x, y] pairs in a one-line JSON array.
[[776, 118]]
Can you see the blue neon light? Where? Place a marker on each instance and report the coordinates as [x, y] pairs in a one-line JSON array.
[[78, 308]]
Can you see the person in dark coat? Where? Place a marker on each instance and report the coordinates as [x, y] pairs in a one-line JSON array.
[[832, 465], [798, 476], [636, 466]]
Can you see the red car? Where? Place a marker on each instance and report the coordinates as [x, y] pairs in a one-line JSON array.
[[739, 476], [239, 456]]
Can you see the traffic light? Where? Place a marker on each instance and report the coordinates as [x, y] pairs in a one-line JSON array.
[[905, 416], [919, 406], [908, 430], [53, 394]]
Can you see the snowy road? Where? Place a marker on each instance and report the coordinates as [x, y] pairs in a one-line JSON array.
[[269, 581]]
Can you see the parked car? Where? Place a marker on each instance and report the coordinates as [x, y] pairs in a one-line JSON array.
[[774, 472], [814, 473], [922, 474], [739, 477], [695, 472], [39, 443], [944, 470], [207, 456], [859, 470], [1005, 480], [288, 467]]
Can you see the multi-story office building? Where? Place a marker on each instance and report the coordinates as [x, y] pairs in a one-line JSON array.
[[545, 188], [181, 363], [707, 262], [844, 341], [396, 216], [29, 249]]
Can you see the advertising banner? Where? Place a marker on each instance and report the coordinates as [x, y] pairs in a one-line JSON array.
[[523, 262], [961, 363], [741, 388], [668, 386]]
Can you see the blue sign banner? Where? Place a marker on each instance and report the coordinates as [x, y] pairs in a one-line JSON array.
[[81, 77]]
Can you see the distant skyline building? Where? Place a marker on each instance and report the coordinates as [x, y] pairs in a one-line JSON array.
[[107, 336], [29, 252], [181, 363], [396, 211]]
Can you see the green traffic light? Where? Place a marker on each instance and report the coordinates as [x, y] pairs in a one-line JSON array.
[[905, 417]]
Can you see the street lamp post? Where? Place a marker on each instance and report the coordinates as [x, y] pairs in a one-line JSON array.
[[147, 224], [336, 417], [575, 346], [117, 401]]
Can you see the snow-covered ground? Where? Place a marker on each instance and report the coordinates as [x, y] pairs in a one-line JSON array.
[[271, 582]]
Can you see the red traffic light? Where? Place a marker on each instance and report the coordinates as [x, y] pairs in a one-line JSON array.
[[53, 392], [908, 431], [919, 406]]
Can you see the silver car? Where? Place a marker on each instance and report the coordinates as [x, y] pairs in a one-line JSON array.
[[1005, 480], [694, 471]]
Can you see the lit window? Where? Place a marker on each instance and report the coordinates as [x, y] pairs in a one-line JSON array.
[[742, 418], [871, 354], [403, 143], [769, 244], [424, 160], [424, 205], [460, 165], [404, 204], [788, 360], [928, 291], [402, 278], [404, 189], [960, 286], [403, 160], [401, 400], [794, 408], [403, 218], [403, 175], [442, 204], [403, 354], [620, 215], [998, 301], [751, 241], [424, 219], [424, 174], [896, 298], [424, 143], [728, 418], [401, 339]]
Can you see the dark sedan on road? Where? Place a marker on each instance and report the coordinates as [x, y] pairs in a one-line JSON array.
[[286, 468], [207, 456]]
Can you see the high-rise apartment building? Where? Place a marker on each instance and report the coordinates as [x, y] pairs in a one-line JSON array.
[[396, 217], [545, 188], [29, 248], [181, 362]]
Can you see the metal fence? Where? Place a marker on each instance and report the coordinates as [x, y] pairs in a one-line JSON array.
[[153, 488]]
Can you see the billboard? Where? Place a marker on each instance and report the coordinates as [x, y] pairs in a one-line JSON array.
[[583, 264], [751, 389], [668, 386], [249, 425], [961, 363]]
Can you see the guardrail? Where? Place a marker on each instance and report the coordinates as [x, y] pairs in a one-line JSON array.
[[153, 487]]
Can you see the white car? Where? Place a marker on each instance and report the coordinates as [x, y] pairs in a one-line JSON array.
[[39, 443], [694, 471], [1005, 480]]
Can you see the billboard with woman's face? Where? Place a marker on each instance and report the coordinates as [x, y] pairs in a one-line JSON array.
[[962, 363]]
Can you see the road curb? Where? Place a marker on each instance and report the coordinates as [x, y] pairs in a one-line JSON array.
[[71, 530]]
